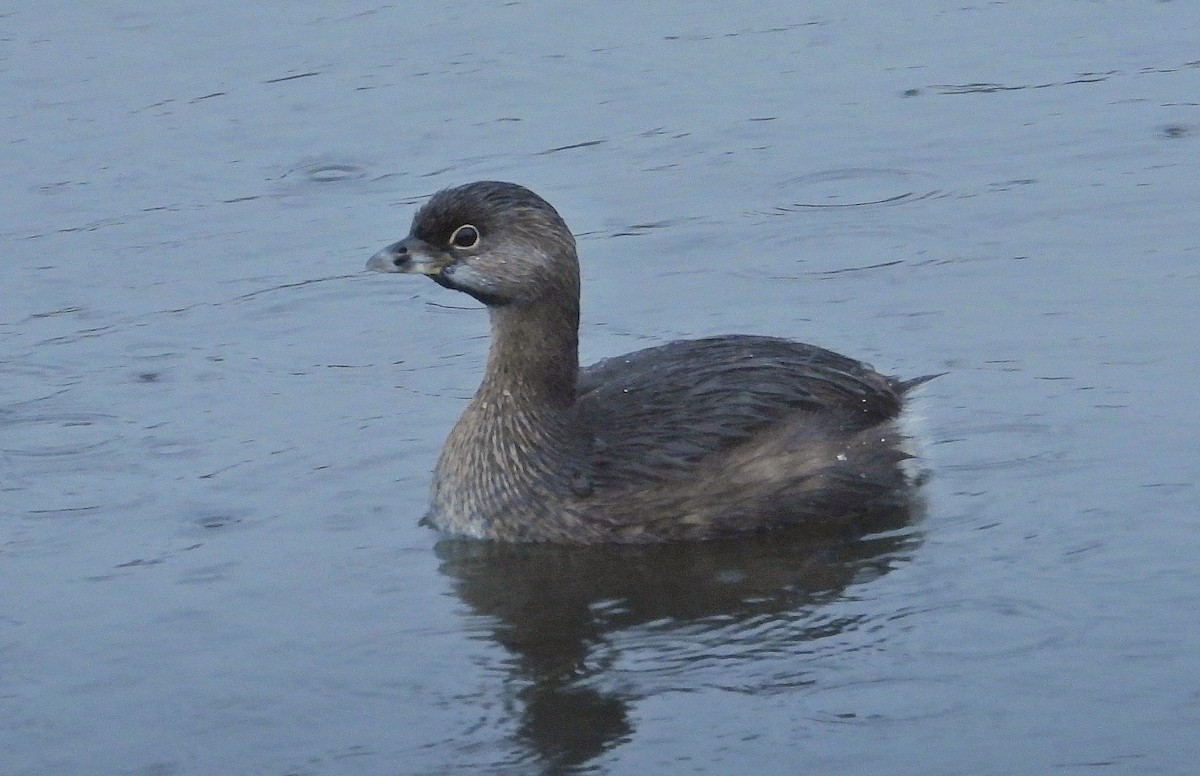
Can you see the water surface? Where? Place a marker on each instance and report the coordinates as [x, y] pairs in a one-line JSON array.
[[216, 432]]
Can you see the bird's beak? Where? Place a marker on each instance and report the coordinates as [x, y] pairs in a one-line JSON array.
[[410, 255]]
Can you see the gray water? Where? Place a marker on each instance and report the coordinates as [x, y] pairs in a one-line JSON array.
[[216, 431]]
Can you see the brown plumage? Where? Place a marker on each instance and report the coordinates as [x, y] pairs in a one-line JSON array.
[[695, 439]]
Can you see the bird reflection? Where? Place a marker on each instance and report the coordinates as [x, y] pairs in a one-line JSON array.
[[551, 606]]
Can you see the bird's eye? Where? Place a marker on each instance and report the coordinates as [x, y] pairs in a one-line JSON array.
[[465, 236]]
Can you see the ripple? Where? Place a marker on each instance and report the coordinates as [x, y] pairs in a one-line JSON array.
[[201, 521], [23, 383], [896, 699], [169, 448], [334, 173], [56, 434], [855, 187], [93, 489], [298, 180], [988, 628], [989, 87], [153, 351], [999, 446]]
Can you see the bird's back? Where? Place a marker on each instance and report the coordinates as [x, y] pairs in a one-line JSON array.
[[713, 433]]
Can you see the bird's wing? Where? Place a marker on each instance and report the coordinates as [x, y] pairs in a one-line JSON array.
[[658, 411]]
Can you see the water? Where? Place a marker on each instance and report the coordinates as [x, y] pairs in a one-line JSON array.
[[216, 433]]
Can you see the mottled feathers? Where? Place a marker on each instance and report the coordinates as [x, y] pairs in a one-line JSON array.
[[695, 439]]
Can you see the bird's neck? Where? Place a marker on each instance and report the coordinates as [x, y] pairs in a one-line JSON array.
[[534, 355], [519, 449]]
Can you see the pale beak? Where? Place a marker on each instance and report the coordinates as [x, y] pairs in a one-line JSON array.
[[410, 255]]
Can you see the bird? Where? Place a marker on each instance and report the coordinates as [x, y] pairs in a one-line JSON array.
[[690, 440]]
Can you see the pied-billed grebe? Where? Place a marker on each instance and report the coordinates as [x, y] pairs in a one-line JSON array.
[[694, 439]]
